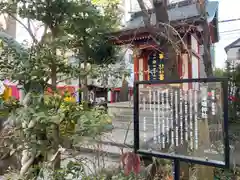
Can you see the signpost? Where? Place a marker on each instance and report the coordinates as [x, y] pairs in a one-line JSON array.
[[182, 125], [156, 66]]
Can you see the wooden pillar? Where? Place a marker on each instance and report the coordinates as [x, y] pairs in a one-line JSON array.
[[145, 66], [141, 68], [136, 68], [190, 70], [185, 70], [180, 73], [199, 74]]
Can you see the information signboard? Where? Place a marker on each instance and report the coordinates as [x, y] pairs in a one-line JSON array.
[[189, 125]]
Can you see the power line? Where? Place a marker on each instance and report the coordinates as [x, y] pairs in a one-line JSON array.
[[229, 31], [231, 34], [229, 20]]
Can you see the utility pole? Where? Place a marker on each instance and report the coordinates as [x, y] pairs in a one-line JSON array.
[[206, 39], [229, 20]]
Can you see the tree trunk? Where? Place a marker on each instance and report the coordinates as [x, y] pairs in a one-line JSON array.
[[54, 76], [53, 64], [207, 56], [85, 84], [162, 36], [146, 17], [54, 88], [124, 90], [170, 63], [167, 39], [206, 40], [204, 172]]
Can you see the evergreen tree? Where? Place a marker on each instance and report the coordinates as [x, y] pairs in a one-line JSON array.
[[42, 122], [234, 92]]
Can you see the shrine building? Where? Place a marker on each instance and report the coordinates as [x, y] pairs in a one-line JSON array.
[[186, 18]]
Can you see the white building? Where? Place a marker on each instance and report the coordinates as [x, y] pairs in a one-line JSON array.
[[233, 53], [132, 5]]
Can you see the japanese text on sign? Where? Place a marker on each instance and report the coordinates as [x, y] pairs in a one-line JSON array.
[[156, 67]]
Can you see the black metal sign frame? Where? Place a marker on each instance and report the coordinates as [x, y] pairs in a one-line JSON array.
[[177, 158]]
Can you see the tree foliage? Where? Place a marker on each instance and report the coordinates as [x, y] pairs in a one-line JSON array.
[[88, 32], [37, 128], [218, 72], [69, 26], [233, 73]]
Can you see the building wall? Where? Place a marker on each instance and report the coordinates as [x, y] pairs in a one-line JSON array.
[[233, 55], [202, 67], [134, 6], [9, 25], [127, 51], [212, 52], [125, 9]]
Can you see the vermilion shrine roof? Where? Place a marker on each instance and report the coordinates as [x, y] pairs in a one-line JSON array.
[[184, 12]]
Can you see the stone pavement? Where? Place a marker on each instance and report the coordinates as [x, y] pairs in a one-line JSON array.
[[121, 138], [112, 142]]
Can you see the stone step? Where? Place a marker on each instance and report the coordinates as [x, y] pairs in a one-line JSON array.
[[106, 148]]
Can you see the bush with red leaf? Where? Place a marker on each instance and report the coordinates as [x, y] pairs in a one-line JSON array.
[[131, 163]]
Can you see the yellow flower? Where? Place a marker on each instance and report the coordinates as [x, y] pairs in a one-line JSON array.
[[7, 93], [69, 99]]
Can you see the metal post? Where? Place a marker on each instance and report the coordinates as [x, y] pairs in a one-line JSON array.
[[79, 83], [79, 93], [136, 117], [225, 110], [176, 169]]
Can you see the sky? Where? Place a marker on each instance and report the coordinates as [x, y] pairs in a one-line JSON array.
[[228, 9]]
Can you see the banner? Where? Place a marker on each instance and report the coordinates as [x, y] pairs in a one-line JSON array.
[[156, 66]]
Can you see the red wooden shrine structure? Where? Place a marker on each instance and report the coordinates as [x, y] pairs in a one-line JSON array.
[[185, 17]]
